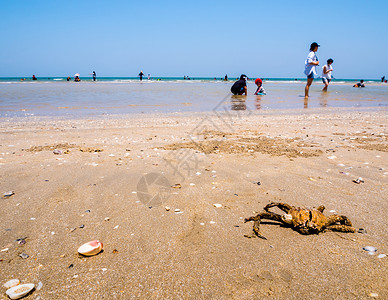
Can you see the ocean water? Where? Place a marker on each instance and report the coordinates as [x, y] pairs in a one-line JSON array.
[[57, 97]]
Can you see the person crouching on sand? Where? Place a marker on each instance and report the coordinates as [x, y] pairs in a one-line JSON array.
[[310, 67], [260, 90], [240, 86], [326, 74]]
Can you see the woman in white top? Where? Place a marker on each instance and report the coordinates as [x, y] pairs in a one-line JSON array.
[[326, 74], [310, 65]]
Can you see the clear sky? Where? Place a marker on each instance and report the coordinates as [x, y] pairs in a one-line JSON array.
[[196, 38]]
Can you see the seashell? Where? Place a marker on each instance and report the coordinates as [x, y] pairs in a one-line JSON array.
[[39, 286], [369, 249], [20, 291], [167, 208], [381, 255], [9, 194], [217, 205], [90, 248], [11, 283]]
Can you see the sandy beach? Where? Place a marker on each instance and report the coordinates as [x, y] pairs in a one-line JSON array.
[[101, 188]]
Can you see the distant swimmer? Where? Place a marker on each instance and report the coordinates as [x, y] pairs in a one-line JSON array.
[[149, 77], [383, 79], [240, 86], [326, 74], [34, 78], [76, 78], [226, 77], [310, 67], [359, 84], [260, 90], [141, 74], [68, 78], [94, 75]]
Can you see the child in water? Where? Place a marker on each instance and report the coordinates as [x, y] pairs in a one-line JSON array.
[[260, 90]]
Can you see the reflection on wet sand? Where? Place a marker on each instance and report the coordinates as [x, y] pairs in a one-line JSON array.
[[258, 102], [238, 102], [306, 102], [323, 99]]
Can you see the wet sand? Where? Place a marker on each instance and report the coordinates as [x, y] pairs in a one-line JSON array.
[[304, 159]]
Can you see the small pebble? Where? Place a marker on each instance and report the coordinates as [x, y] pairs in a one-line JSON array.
[[369, 249], [373, 295], [39, 286], [167, 208], [24, 255]]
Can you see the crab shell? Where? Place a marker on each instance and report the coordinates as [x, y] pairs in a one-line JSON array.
[[306, 221]]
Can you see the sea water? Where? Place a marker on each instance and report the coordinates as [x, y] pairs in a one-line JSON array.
[[57, 97]]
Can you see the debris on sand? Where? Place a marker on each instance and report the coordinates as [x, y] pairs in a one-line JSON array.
[[20, 290], [358, 180], [90, 248]]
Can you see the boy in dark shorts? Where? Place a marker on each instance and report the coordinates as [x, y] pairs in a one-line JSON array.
[[240, 86]]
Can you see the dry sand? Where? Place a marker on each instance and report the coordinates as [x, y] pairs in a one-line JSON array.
[[303, 159]]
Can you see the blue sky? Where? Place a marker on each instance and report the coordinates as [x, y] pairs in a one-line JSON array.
[[196, 38]]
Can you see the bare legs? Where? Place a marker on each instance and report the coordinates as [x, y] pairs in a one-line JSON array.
[[326, 83], [306, 89]]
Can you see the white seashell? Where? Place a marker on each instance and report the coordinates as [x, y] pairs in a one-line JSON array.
[[90, 248], [217, 205], [371, 253], [20, 291], [177, 210], [212, 222], [39, 286], [11, 283], [381, 255], [332, 157], [369, 249], [198, 173], [167, 208]]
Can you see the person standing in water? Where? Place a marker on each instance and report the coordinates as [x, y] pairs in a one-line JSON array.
[[94, 75], [326, 74], [34, 78], [141, 74], [310, 67]]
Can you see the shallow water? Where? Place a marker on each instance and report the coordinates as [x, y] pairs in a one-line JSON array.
[[58, 98]]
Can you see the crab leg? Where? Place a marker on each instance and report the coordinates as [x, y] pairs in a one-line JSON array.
[[346, 225], [343, 220], [257, 219], [341, 228], [283, 206]]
